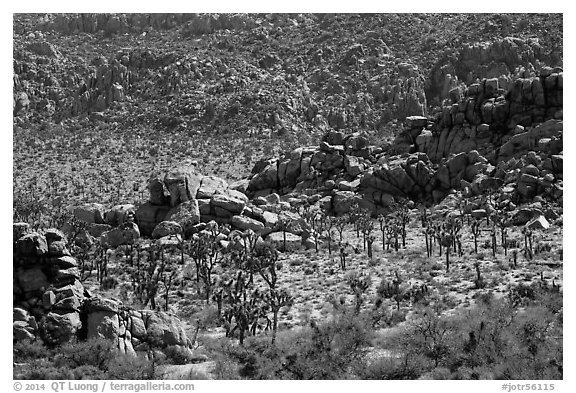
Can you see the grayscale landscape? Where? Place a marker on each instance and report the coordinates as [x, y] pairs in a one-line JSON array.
[[288, 196]]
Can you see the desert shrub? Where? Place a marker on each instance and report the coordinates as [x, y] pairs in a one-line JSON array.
[[97, 352], [88, 372], [495, 339], [225, 369], [521, 293], [256, 359], [109, 283], [42, 370], [26, 350], [327, 350], [397, 316], [195, 375], [131, 368], [334, 349], [234, 362], [391, 368], [91, 359], [208, 316], [177, 354]]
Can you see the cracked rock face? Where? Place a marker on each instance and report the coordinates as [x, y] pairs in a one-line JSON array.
[[51, 304]]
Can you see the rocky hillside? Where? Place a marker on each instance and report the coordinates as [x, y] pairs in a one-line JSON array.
[[183, 159], [286, 76]]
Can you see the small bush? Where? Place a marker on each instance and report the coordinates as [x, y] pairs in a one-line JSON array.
[[26, 350], [109, 283], [43, 370], [93, 359], [176, 354], [131, 368], [97, 352]]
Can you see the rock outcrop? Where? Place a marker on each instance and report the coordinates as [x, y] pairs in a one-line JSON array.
[[51, 304], [489, 119]]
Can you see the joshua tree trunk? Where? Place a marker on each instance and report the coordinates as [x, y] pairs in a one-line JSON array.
[[241, 336], [358, 303], [475, 244], [383, 240], [404, 237], [447, 258], [370, 248], [274, 324]]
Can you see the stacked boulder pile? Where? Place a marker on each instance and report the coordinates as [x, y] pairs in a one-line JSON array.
[[488, 117], [51, 303], [113, 227], [187, 198], [108, 84], [308, 167], [48, 293], [346, 169], [182, 202], [491, 139], [484, 60]]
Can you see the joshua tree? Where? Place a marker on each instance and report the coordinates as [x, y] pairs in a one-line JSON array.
[[353, 216], [447, 241], [244, 254], [479, 282], [493, 239], [438, 236], [370, 242], [393, 232], [475, 232], [454, 226], [206, 253], [515, 257], [318, 221], [313, 217], [343, 255], [242, 306], [359, 285], [383, 221], [424, 216], [502, 222], [403, 216], [366, 227], [152, 274], [527, 242], [340, 224], [284, 225], [218, 296], [183, 249], [198, 251], [392, 290], [102, 265], [327, 225], [267, 266], [169, 275]]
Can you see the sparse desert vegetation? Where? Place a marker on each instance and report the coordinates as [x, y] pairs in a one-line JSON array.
[[288, 196]]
